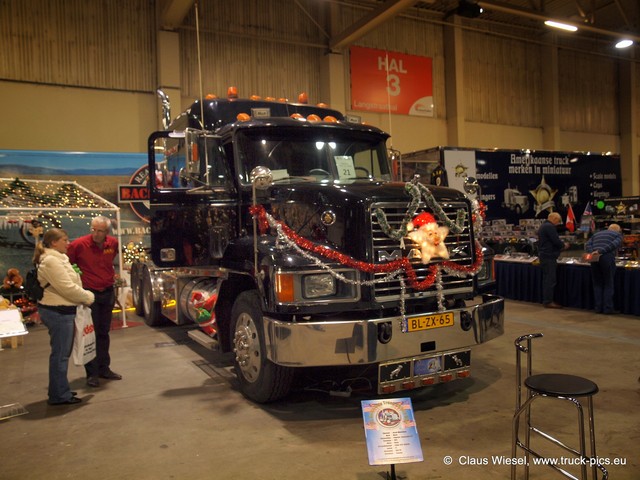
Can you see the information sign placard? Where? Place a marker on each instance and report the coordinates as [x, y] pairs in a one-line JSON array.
[[390, 431]]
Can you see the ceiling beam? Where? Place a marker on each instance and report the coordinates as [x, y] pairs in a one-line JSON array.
[[174, 13], [384, 12], [505, 8]]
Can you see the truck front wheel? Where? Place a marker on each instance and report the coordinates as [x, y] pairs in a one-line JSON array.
[[260, 379]]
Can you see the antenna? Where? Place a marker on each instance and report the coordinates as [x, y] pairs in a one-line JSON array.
[[199, 66]]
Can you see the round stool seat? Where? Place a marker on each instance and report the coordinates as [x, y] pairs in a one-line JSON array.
[[561, 385]]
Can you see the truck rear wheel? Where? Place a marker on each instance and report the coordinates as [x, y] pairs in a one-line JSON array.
[[136, 288], [260, 379], [151, 307]]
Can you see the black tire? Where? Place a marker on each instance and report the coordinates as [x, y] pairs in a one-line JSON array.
[[152, 315], [136, 288], [260, 379]]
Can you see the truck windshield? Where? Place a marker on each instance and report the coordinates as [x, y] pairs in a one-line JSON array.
[[312, 154]]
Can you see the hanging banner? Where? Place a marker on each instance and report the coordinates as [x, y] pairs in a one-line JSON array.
[[393, 82]]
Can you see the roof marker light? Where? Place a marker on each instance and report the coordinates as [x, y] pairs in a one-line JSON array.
[[232, 92]]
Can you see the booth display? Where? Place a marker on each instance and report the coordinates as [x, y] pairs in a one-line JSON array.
[[31, 207], [519, 277]]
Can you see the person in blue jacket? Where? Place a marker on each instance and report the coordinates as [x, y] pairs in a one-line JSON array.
[[603, 272], [549, 248]]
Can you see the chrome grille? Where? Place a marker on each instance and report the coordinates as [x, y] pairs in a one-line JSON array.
[[460, 248]]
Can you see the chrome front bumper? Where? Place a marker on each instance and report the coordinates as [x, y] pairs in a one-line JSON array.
[[357, 341]]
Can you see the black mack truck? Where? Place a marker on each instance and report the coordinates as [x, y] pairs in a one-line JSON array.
[[278, 229]]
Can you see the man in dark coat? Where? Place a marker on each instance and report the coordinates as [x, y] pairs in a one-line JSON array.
[[549, 248]]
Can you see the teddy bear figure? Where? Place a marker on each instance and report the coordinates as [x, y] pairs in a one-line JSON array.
[[13, 280]]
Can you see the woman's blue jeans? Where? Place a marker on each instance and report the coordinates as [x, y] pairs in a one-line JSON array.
[[61, 327]]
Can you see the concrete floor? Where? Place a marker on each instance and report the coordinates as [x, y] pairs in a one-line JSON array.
[[177, 413]]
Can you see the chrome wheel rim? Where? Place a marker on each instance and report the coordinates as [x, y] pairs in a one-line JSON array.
[[246, 345]]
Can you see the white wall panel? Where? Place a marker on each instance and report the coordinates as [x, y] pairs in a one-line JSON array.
[[588, 93], [267, 48], [99, 43], [502, 80]]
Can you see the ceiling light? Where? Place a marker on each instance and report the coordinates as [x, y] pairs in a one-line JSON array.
[[624, 43], [561, 26]]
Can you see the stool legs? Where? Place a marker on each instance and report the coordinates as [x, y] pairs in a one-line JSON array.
[[592, 437], [582, 453]]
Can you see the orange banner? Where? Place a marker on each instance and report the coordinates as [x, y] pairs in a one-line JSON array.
[[390, 81]]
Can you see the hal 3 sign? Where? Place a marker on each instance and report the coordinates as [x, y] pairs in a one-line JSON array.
[[392, 82]]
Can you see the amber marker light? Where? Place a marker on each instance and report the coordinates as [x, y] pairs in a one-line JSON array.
[[284, 287], [211, 96], [232, 92], [297, 116], [303, 98], [330, 119], [314, 118], [243, 117], [255, 97]]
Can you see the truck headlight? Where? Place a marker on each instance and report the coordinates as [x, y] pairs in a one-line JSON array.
[[315, 287], [318, 285]]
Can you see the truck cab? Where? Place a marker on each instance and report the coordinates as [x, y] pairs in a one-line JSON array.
[[278, 229]]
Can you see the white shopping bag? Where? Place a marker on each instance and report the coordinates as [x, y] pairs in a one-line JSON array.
[[84, 340]]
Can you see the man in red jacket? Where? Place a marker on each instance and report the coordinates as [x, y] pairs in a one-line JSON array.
[[94, 255]]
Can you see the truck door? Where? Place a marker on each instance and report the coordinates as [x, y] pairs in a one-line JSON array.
[[192, 198]]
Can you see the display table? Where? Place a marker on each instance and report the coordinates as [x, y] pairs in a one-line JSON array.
[[523, 281], [11, 327]]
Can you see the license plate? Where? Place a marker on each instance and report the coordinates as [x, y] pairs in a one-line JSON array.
[[430, 321]]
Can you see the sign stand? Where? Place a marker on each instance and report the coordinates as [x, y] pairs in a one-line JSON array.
[[393, 472]]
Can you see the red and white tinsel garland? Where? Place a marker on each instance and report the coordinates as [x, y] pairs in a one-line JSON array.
[[311, 251]]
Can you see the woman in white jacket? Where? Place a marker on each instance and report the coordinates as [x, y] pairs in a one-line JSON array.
[[62, 293]]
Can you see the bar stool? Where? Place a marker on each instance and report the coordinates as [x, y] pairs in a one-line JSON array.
[[562, 387]]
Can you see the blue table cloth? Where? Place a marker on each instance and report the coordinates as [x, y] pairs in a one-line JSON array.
[[523, 281]]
